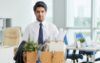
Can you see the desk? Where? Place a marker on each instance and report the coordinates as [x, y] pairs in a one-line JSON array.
[[83, 48], [86, 49]]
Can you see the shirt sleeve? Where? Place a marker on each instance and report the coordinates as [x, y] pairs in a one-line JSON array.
[[55, 31], [25, 35]]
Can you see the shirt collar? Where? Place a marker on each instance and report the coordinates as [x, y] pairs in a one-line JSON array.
[[42, 22]]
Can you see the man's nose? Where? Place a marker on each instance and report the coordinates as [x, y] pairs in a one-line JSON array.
[[40, 13]]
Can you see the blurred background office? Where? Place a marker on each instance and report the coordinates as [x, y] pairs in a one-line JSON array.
[[72, 15]]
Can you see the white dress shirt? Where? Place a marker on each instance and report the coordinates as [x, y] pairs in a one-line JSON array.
[[32, 31]]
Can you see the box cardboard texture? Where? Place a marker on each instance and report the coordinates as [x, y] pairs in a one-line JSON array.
[[46, 57]]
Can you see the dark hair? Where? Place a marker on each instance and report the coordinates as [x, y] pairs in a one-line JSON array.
[[40, 4]]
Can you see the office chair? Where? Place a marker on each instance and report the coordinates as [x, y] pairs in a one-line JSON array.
[[12, 36], [97, 59], [74, 57], [87, 53]]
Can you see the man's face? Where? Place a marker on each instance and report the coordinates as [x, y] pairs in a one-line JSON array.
[[40, 13]]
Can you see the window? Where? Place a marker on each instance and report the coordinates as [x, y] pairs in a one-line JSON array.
[[96, 20], [72, 32], [96, 14], [79, 17], [79, 13], [83, 16]]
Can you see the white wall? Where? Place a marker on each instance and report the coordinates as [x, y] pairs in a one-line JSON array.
[[59, 13], [19, 10], [6, 55], [21, 13]]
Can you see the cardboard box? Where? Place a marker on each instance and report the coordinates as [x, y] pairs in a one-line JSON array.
[[31, 57], [46, 57], [58, 57]]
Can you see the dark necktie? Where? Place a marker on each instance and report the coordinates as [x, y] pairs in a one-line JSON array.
[[40, 37]]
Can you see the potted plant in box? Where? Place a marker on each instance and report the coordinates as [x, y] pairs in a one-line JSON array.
[[31, 46], [30, 49], [82, 41]]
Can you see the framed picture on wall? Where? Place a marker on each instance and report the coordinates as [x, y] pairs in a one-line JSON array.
[[1, 24], [1, 37]]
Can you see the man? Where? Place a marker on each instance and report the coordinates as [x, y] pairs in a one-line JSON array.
[[39, 31], [32, 31]]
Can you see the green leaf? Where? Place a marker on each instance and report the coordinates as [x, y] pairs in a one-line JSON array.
[[82, 40], [31, 46]]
